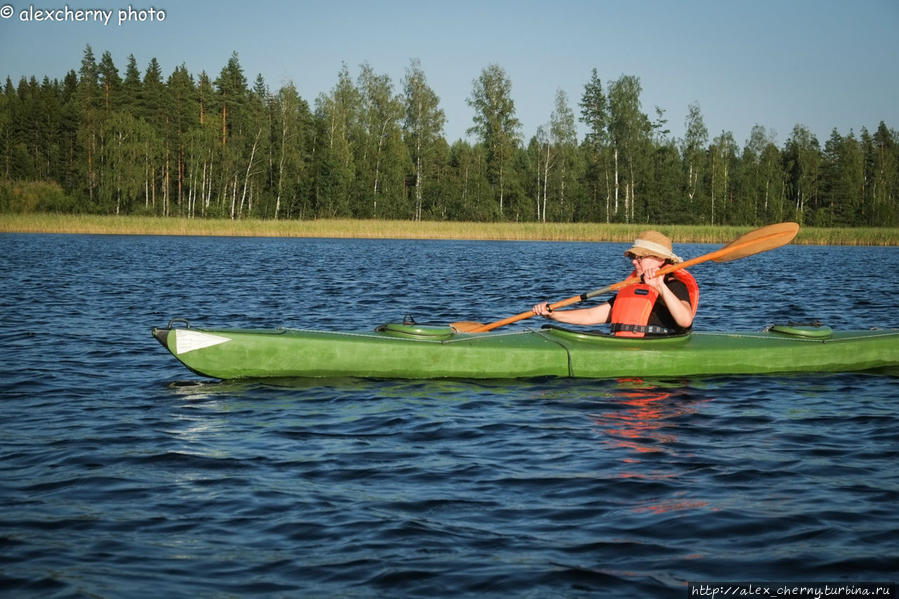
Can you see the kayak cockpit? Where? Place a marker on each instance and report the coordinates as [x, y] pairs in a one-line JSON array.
[[412, 330], [806, 331]]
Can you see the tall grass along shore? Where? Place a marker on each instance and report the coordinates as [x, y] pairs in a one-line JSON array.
[[398, 229]]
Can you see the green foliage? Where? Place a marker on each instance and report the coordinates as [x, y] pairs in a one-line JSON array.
[[27, 197], [182, 145]]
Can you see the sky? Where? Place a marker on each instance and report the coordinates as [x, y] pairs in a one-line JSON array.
[[823, 64]]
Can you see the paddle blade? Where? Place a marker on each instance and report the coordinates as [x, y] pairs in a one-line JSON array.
[[757, 241]]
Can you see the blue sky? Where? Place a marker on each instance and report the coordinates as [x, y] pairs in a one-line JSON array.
[[823, 64]]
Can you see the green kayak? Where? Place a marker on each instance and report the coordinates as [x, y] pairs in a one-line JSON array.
[[413, 351]]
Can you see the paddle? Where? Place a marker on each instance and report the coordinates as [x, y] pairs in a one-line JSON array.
[[754, 242]]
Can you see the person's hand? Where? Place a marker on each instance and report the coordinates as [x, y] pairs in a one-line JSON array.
[[542, 309], [650, 278]]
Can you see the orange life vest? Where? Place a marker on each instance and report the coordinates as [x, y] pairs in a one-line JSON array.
[[634, 303]]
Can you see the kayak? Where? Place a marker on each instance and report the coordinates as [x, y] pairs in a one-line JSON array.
[[413, 351]]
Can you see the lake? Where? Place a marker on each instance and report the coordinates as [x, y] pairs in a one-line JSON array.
[[123, 474]]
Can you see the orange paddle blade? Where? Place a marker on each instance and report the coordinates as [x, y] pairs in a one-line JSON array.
[[758, 241]]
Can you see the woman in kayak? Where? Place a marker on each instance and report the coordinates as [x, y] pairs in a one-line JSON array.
[[655, 306]]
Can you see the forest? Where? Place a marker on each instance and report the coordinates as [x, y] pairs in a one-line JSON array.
[[142, 143]]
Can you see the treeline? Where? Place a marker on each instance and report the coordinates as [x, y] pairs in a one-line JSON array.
[[141, 143]]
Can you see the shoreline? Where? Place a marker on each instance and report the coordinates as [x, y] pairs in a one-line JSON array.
[[425, 230]]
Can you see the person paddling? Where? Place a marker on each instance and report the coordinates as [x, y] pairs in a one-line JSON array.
[[654, 306]]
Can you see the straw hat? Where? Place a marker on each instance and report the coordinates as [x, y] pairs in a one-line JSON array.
[[653, 243]]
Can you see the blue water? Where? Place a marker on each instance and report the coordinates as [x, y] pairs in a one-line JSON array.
[[123, 475]]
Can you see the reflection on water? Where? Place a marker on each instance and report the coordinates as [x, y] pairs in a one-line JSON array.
[[644, 421], [642, 409]]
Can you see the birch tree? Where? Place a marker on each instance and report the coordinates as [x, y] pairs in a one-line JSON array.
[[545, 158], [127, 140], [628, 129], [290, 122], [722, 155], [884, 176], [422, 128], [381, 113], [336, 115], [693, 149], [564, 139], [756, 184], [258, 128], [495, 124], [802, 160]]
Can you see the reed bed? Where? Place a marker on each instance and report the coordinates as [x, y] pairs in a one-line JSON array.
[[394, 229]]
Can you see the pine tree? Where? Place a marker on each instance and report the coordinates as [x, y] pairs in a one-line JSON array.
[[88, 100], [70, 124], [132, 88], [231, 87], [155, 108], [595, 115], [843, 171], [110, 83], [184, 118], [232, 91]]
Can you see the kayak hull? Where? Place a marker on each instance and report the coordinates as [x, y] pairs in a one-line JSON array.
[[415, 352]]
